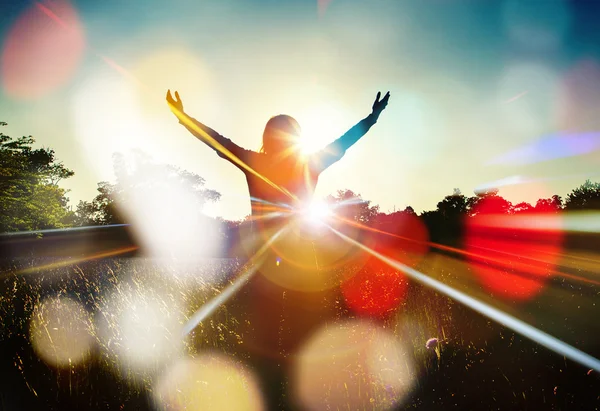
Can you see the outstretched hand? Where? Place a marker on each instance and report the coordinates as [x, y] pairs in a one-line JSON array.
[[176, 105], [379, 105]]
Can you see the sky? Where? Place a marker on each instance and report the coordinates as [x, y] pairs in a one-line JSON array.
[[483, 93]]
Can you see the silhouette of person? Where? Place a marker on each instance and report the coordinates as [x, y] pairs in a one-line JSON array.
[[280, 181], [284, 178]]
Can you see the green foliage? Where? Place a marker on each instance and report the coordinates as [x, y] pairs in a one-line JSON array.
[[30, 198], [584, 197], [102, 210]]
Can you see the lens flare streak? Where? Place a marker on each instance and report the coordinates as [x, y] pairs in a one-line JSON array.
[[518, 96], [210, 307], [495, 314], [61, 230], [551, 147], [68, 262], [575, 224]]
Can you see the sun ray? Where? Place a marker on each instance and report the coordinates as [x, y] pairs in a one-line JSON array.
[[66, 263], [470, 253], [253, 265], [61, 230], [518, 326]]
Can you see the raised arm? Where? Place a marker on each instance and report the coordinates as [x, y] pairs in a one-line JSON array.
[[204, 133], [336, 150]]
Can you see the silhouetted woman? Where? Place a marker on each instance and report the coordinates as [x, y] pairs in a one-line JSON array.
[[277, 313], [279, 177]]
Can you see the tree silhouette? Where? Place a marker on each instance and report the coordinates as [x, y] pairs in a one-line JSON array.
[[434, 221], [445, 223], [454, 206], [552, 204], [141, 180], [584, 197], [523, 207], [494, 204], [102, 210], [351, 206], [410, 210]]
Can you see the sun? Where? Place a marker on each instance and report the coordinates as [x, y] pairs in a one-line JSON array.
[[318, 212], [320, 126]]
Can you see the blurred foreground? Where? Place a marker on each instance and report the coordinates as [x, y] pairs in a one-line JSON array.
[[106, 334]]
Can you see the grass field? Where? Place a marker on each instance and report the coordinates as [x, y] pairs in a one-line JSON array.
[[106, 334]]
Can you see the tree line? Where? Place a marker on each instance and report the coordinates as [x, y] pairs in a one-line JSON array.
[[32, 199]]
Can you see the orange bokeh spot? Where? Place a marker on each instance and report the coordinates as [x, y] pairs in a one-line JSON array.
[[513, 254], [42, 50]]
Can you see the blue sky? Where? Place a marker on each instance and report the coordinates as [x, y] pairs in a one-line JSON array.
[[471, 83]]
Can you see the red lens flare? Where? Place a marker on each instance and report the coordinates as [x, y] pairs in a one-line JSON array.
[[42, 50], [376, 290], [402, 237], [513, 254]]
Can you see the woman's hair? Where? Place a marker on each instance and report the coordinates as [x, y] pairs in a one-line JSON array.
[[281, 134]]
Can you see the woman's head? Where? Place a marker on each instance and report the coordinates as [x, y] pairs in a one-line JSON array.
[[281, 135]]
